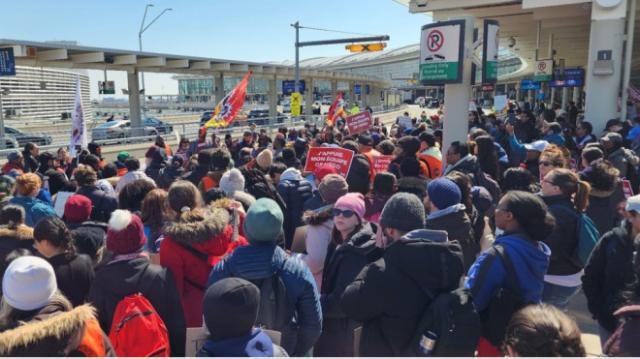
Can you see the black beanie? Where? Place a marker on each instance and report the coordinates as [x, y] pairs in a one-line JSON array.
[[230, 307], [404, 212]]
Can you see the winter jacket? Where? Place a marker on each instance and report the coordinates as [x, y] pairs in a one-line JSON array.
[[319, 227], [211, 237], [314, 202], [196, 175], [625, 342], [256, 344], [30, 162], [470, 166], [603, 209], [154, 168], [390, 294], [343, 264], [168, 175], [488, 273], [133, 176], [101, 203], [359, 176], [555, 138], [34, 209], [526, 131], [458, 226], [295, 190], [373, 207], [12, 239], [55, 331], [433, 158], [10, 166], [121, 278], [563, 241], [621, 159], [256, 262], [608, 273], [74, 274], [394, 167]]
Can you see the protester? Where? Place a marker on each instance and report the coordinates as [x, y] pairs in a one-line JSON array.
[[27, 188], [219, 162], [295, 190], [14, 234], [620, 157], [30, 154], [15, 162], [133, 173], [606, 193], [385, 185], [154, 213], [232, 183], [132, 195], [551, 158], [430, 154], [102, 204]]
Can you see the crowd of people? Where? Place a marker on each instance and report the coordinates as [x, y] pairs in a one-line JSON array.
[[474, 249]]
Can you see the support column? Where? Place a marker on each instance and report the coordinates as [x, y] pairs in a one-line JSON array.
[[456, 127], [565, 97], [552, 98], [308, 99], [576, 95], [134, 103], [219, 87], [273, 97], [607, 34], [517, 93]]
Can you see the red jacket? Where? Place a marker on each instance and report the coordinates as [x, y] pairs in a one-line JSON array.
[[210, 236]]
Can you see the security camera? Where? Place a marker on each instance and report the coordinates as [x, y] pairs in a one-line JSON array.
[[421, 3]]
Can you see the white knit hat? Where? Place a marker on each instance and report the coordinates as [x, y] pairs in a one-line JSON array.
[[29, 283], [232, 181]]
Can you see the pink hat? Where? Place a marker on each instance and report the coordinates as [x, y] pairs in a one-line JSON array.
[[353, 201]]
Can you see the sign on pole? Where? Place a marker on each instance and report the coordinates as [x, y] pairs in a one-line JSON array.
[[296, 103], [491, 39], [7, 62], [357, 89], [359, 122], [106, 88], [339, 158], [288, 87], [441, 52], [543, 70]]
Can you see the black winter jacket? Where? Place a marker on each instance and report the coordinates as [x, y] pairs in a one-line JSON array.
[[458, 227], [102, 204], [390, 294], [74, 273], [294, 193], [12, 239], [119, 279], [563, 241], [608, 274], [603, 208], [342, 265]]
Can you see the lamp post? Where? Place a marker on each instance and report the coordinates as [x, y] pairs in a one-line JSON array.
[[144, 28]]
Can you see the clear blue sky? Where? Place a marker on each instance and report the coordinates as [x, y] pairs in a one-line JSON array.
[[254, 30]]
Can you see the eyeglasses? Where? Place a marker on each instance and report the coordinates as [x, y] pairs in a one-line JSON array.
[[546, 164], [346, 213]]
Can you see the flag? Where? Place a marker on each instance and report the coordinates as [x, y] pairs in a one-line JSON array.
[[78, 125], [226, 110], [336, 110]]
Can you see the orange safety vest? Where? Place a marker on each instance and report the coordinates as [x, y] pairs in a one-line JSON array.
[[208, 183]]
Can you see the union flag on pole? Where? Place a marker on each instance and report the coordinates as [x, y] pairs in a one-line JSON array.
[[336, 110], [227, 109]]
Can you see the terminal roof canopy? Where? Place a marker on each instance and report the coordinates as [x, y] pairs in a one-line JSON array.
[[64, 55]]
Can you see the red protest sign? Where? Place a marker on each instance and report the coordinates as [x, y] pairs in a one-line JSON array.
[[627, 189], [381, 163], [359, 122], [339, 158]]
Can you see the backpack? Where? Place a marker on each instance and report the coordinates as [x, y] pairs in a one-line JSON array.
[[504, 303], [137, 330], [452, 322], [588, 236]]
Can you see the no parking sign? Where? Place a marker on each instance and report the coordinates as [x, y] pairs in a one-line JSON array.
[[441, 52]]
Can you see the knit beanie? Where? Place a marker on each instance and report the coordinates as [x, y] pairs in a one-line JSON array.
[[263, 223], [404, 212], [324, 170], [29, 283], [265, 159], [353, 201], [126, 232], [88, 239], [332, 187], [443, 193], [232, 181], [230, 307], [77, 209]]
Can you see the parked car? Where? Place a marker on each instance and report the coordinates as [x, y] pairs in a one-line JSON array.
[[24, 137], [118, 130], [159, 125], [10, 142]]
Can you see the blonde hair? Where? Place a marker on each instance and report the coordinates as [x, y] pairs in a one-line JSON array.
[[27, 184], [556, 155]]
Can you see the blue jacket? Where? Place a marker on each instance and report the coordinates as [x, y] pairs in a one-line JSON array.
[[261, 261], [555, 138], [34, 209], [518, 151], [530, 262], [256, 344]]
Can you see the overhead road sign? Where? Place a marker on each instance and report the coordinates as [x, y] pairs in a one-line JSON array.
[[288, 87], [543, 70], [441, 52], [491, 41], [7, 62]]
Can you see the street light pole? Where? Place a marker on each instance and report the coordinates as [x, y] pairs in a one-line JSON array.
[[142, 30], [297, 71]]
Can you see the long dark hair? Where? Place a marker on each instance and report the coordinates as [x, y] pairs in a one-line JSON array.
[[463, 181], [488, 157], [531, 214]]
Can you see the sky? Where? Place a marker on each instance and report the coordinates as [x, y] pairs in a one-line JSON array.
[[251, 30]]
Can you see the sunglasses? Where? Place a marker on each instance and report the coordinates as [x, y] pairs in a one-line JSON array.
[[346, 213]]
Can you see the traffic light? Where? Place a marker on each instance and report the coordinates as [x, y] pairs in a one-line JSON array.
[[376, 46]]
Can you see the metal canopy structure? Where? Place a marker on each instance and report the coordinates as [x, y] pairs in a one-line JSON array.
[[60, 55]]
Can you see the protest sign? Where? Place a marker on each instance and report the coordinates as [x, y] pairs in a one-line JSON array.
[[359, 122], [381, 163], [339, 158]]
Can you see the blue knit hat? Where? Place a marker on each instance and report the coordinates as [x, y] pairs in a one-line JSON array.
[[263, 223], [443, 193]]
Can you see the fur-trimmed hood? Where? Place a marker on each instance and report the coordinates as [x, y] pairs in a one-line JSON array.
[[198, 231], [50, 326], [21, 232]]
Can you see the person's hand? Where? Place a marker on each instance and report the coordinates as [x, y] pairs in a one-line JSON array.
[[380, 240], [509, 128]]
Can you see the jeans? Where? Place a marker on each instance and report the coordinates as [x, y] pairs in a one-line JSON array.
[[558, 296]]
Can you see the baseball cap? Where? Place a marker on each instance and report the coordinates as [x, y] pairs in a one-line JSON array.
[[538, 146]]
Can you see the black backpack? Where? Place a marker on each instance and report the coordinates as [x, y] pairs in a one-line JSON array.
[[504, 304], [452, 319], [274, 304]]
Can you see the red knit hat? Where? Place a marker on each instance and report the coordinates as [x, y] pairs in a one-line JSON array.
[[126, 233], [77, 209], [323, 170]]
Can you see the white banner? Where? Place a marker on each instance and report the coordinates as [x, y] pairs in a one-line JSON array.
[[78, 125]]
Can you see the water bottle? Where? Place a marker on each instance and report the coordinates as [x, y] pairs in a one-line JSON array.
[[428, 343]]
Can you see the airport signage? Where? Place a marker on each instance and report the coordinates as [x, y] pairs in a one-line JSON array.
[[338, 158], [7, 62], [491, 41], [357, 89], [288, 87], [106, 88], [570, 77], [526, 85], [441, 52], [543, 70], [367, 89], [487, 87]]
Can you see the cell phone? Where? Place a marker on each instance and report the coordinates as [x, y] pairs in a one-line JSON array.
[[511, 119]]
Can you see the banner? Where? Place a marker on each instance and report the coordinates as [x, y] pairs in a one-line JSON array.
[[78, 125], [336, 110], [381, 163], [627, 189], [227, 109], [339, 158], [359, 122]]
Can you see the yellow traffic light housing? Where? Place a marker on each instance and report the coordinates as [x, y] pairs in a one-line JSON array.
[[376, 46]]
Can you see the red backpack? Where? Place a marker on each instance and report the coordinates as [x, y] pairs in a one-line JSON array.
[[137, 330]]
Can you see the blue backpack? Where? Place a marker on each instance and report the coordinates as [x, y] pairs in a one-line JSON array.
[[588, 235]]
